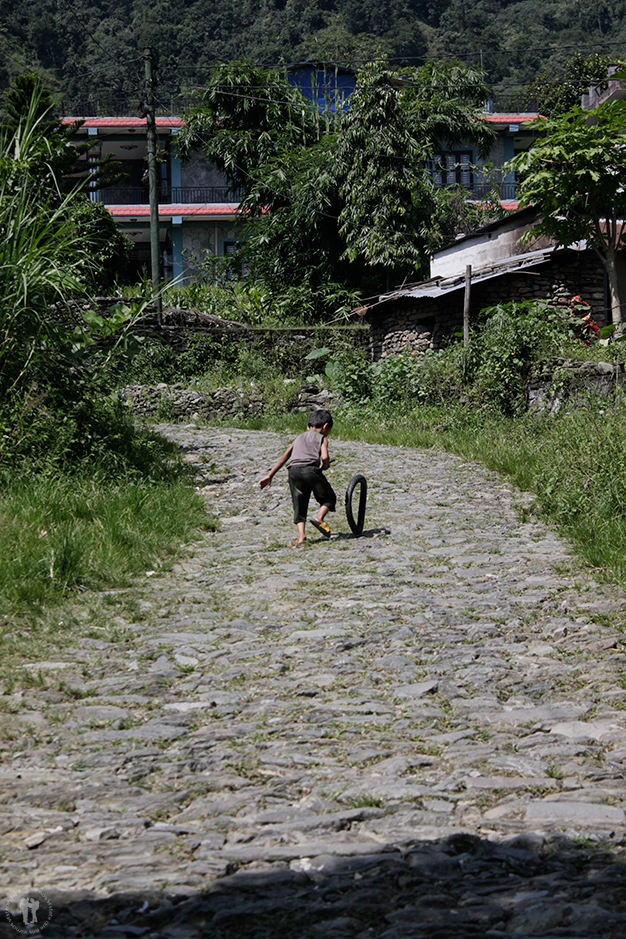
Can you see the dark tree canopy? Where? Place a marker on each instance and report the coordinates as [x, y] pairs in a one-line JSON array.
[[89, 50]]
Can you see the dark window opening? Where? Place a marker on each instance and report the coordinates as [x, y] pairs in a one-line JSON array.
[[453, 169]]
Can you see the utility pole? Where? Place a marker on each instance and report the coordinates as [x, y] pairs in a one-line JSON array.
[[155, 252]]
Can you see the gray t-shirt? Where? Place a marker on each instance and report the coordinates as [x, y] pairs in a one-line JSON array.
[[306, 449]]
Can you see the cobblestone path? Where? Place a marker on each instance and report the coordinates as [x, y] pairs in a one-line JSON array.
[[417, 733]]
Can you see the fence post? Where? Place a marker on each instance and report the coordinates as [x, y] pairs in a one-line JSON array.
[[466, 303]]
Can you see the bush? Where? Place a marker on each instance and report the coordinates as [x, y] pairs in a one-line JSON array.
[[494, 368], [491, 372]]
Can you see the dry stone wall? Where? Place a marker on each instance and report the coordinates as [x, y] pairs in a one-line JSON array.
[[564, 382], [177, 325], [174, 402]]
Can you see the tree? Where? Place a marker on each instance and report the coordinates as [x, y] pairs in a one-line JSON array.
[[247, 117], [387, 196], [574, 176], [339, 197], [558, 90]]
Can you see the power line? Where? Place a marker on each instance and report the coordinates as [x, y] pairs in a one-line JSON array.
[[347, 63]]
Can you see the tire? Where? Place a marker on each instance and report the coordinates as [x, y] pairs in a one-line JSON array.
[[358, 480]]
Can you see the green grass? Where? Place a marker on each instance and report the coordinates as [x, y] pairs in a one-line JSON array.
[[63, 533]]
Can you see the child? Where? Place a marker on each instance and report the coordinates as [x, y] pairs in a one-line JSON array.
[[306, 476]]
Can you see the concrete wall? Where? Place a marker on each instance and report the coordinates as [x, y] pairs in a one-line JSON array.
[[485, 248], [496, 157], [198, 172], [201, 240]]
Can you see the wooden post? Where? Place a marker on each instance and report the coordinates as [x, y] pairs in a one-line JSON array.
[[466, 303]]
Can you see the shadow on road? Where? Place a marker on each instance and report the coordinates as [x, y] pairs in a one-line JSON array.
[[456, 888], [370, 533]]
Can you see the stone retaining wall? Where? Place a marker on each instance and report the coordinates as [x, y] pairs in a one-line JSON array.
[[564, 382], [173, 402], [178, 325]]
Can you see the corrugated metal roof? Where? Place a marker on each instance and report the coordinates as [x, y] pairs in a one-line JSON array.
[[439, 286]]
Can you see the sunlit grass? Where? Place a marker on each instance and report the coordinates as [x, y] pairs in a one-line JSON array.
[[61, 533]]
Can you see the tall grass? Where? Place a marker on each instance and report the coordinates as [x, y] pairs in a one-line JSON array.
[[61, 533]]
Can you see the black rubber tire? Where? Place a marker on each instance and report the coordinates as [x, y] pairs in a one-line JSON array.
[[358, 480]]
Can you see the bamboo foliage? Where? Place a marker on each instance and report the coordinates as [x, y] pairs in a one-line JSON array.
[[43, 256]]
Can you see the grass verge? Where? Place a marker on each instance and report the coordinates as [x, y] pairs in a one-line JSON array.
[[65, 533]]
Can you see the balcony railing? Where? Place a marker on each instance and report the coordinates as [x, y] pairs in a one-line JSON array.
[[177, 195], [506, 192]]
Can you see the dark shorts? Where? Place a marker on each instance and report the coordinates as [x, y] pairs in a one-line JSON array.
[[304, 480]]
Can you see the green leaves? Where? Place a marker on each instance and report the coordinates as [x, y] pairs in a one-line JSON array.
[[53, 247], [574, 175], [383, 184], [344, 198]]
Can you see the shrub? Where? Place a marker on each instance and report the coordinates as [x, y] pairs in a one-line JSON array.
[[490, 372]]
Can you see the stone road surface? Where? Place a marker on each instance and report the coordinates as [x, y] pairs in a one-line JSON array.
[[417, 733]]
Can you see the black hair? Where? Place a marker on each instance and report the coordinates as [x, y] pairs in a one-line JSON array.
[[320, 417]]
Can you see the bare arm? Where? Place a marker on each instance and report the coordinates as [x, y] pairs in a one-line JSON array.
[[324, 454], [267, 480]]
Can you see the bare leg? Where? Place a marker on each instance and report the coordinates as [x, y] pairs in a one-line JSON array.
[[322, 513], [301, 535]]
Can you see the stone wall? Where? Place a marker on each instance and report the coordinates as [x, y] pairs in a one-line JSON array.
[[177, 326], [567, 383], [174, 402], [420, 323]]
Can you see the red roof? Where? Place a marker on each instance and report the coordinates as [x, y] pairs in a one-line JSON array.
[[124, 121], [511, 118], [166, 211]]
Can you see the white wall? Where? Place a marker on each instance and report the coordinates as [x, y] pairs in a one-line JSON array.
[[484, 249]]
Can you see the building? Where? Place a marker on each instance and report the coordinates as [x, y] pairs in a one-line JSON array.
[[484, 177], [197, 215], [427, 315], [325, 84], [613, 89]]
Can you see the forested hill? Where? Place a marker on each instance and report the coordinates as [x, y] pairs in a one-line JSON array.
[[88, 50]]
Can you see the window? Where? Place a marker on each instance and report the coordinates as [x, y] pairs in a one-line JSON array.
[[233, 266], [453, 169]]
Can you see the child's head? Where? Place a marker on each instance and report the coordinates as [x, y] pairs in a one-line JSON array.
[[319, 418]]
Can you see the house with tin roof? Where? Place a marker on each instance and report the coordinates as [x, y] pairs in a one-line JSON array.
[[504, 267]]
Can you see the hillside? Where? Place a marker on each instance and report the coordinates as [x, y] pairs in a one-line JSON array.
[[89, 50]]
